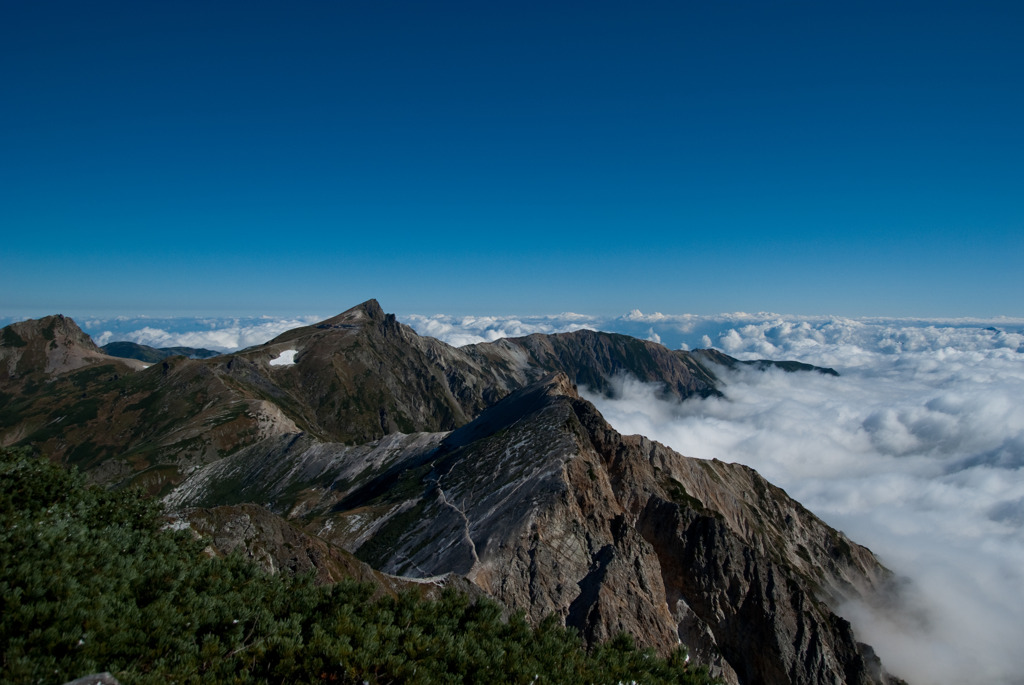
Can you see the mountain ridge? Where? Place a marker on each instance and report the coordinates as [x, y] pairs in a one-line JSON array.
[[426, 460]]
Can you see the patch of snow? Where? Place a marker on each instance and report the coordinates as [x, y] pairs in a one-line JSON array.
[[286, 358]]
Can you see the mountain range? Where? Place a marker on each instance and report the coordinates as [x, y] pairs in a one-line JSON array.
[[355, 447]]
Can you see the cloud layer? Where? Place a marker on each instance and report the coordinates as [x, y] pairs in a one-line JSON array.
[[221, 334], [916, 450], [467, 330]]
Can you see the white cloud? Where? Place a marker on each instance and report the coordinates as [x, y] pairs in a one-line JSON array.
[[221, 334], [828, 340], [916, 450], [468, 330]]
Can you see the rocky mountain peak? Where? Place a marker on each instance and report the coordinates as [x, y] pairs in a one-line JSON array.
[[47, 347], [367, 318], [361, 313], [55, 330]]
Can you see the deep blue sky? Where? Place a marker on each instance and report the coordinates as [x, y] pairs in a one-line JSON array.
[[512, 157]]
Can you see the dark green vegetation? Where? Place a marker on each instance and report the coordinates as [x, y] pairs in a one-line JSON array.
[[91, 582], [11, 338]]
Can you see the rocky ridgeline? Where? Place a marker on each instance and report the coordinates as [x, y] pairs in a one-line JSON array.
[[381, 454]]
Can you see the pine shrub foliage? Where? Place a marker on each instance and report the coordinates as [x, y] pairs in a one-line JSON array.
[[90, 581]]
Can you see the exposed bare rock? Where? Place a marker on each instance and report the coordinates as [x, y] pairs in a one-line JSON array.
[[743, 561], [295, 473], [545, 507], [281, 546]]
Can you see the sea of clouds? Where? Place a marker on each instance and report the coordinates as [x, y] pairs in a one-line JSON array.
[[915, 450], [223, 334]]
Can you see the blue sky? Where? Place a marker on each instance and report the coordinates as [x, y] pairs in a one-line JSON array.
[[232, 158]]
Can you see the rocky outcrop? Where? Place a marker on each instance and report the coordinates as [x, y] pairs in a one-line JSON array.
[[744, 564]]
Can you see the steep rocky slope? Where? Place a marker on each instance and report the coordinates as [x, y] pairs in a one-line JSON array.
[[545, 507], [280, 545], [357, 436]]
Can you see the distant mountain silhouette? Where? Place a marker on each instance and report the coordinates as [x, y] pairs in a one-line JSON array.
[[145, 353]]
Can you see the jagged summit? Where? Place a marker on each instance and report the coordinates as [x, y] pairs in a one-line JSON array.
[[544, 506], [349, 322], [370, 310]]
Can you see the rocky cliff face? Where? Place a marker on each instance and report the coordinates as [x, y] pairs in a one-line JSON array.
[[545, 507], [483, 463]]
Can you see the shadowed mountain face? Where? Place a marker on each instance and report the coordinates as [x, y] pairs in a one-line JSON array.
[[357, 436], [151, 355], [592, 359]]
